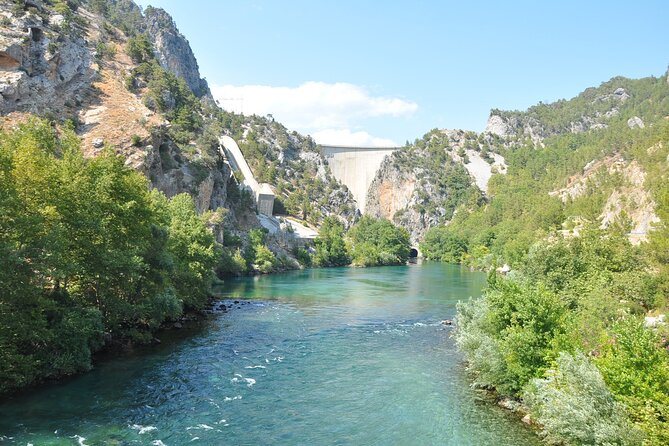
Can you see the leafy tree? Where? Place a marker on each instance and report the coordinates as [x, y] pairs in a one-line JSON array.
[[378, 242], [636, 369], [86, 250], [440, 243], [140, 49], [193, 250], [574, 406], [330, 246]]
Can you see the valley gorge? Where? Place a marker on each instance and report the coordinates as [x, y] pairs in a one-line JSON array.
[[146, 297]]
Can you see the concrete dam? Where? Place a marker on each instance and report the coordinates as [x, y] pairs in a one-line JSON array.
[[356, 167]]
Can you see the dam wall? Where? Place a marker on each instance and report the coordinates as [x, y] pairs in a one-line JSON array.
[[356, 167]]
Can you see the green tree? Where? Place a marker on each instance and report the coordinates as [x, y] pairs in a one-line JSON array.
[[440, 243], [378, 242], [330, 246], [193, 249], [139, 48]]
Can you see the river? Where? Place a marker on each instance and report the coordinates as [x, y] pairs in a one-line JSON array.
[[339, 356]]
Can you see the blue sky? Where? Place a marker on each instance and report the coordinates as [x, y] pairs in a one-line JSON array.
[[377, 73]]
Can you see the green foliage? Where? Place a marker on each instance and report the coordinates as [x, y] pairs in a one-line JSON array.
[[140, 49], [170, 95], [265, 260], [574, 406], [193, 250], [104, 51], [86, 249], [303, 257], [527, 323], [636, 369], [124, 14], [378, 242], [231, 262], [440, 243], [574, 286], [330, 246], [257, 255]]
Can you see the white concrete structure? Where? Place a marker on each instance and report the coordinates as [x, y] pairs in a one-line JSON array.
[[265, 199], [356, 167], [263, 194]]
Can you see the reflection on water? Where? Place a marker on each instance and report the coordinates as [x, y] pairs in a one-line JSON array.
[[328, 356]]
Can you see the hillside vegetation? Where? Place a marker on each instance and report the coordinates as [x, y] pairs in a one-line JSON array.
[[89, 255], [581, 218]]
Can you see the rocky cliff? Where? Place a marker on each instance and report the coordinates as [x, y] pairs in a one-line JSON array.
[[128, 80], [46, 58], [173, 50], [421, 185], [427, 182]]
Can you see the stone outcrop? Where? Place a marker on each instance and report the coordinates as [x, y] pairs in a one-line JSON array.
[[173, 50], [420, 186], [630, 198], [41, 68]]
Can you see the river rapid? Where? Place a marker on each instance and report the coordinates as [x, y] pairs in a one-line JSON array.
[[339, 356]]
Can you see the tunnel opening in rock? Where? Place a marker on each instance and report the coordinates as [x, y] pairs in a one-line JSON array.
[[35, 34], [413, 253], [7, 62]]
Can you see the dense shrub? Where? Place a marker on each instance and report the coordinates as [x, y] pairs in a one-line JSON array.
[[330, 246], [574, 406], [86, 249], [440, 243], [378, 242]]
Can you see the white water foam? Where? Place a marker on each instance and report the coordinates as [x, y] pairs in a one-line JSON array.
[[227, 398], [255, 367], [158, 443], [200, 426], [249, 381], [80, 440], [143, 429]]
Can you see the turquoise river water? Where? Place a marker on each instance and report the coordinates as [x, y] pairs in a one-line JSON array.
[[318, 357]]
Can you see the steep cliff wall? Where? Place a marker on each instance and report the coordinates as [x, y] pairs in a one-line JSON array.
[[173, 50], [421, 185]]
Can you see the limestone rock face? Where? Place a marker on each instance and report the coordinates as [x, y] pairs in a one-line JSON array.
[[420, 186], [41, 70], [173, 50], [497, 126]]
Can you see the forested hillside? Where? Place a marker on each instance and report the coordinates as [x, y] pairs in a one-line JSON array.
[[576, 331], [116, 205]]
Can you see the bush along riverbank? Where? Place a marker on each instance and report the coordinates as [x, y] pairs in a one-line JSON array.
[[92, 258], [89, 255], [564, 335]]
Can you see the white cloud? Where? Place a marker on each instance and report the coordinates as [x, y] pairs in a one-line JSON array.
[[319, 108], [345, 137]]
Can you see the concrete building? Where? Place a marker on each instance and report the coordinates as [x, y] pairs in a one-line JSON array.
[[265, 199]]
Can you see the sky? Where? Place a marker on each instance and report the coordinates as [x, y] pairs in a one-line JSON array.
[[379, 73]]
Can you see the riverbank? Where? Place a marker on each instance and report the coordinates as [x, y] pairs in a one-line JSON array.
[[356, 355]]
